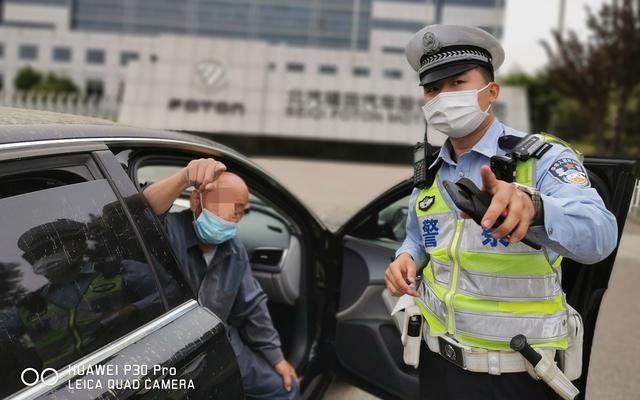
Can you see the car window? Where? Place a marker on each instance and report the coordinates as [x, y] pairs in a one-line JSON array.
[[147, 174], [392, 221], [386, 224], [72, 275], [152, 172], [263, 226]]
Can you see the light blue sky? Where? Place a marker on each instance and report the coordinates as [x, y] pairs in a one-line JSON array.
[[529, 21]]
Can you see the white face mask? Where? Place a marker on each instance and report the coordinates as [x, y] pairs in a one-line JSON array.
[[456, 114]]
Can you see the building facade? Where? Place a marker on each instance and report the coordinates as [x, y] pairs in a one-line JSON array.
[[325, 69]]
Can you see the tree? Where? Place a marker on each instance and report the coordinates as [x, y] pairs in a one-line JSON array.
[[53, 84], [540, 96], [601, 74], [10, 289], [29, 79]]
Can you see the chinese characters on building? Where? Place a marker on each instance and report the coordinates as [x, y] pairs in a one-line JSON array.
[[350, 106]]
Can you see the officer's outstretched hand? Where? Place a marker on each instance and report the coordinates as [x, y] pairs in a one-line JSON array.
[[509, 201], [201, 173], [400, 274]]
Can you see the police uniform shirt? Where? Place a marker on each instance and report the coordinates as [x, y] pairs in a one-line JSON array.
[[577, 224]]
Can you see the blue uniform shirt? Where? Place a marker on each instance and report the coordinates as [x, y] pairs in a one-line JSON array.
[[577, 224]]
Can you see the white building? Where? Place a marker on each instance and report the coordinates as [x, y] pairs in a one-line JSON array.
[[273, 77]]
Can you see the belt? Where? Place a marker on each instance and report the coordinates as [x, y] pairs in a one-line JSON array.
[[475, 359]]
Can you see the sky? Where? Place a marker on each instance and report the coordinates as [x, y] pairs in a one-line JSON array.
[[527, 22]]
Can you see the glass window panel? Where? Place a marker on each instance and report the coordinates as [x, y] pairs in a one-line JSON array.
[[328, 69], [361, 71], [95, 56], [295, 67], [28, 52], [127, 56], [61, 54], [73, 277], [392, 73]]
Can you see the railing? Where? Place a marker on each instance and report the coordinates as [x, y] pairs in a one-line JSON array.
[[91, 106]]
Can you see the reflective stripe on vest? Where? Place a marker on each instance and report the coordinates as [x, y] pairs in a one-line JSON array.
[[484, 291]]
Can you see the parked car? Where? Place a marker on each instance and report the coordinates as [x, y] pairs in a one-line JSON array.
[[90, 289]]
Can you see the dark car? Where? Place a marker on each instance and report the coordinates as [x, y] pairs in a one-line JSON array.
[[93, 304]]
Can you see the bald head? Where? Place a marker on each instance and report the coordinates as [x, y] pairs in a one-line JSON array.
[[228, 198], [232, 182]]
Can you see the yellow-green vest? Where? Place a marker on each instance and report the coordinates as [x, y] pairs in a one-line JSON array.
[[60, 335], [483, 291]]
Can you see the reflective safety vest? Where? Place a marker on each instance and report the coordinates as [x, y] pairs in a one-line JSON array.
[[60, 335], [484, 291]]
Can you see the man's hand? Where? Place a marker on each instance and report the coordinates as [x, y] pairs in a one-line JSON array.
[[398, 273], [199, 173], [202, 173], [509, 201], [287, 372]]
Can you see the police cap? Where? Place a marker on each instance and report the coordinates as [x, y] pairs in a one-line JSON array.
[[50, 238], [440, 51]]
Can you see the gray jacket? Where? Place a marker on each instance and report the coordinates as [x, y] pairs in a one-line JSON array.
[[227, 287]]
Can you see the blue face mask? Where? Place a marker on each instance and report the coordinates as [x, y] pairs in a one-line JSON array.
[[212, 229]]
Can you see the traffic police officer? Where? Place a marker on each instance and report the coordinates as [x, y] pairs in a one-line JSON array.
[[481, 286], [85, 303]]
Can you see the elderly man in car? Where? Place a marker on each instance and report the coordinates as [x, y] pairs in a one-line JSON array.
[[216, 266]]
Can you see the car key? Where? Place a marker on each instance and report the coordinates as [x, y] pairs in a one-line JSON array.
[[416, 284], [473, 201]]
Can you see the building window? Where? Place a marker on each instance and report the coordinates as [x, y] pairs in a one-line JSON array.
[[473, 3], [61, 54], [328, 69], [477, 3], [392, 50], [95, 56], [397, 25], [127, 56], [295, 67], [494, 30], [1, 82], [361, 71], [28, 52], [95, 87], [1, 50], [392, 74]]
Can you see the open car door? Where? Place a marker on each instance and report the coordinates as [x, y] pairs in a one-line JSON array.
[[367, 340]]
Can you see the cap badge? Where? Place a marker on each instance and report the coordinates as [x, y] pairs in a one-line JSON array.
[[431, 43]]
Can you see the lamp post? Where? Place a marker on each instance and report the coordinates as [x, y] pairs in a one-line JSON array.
[[561, 15], [439, 5]]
